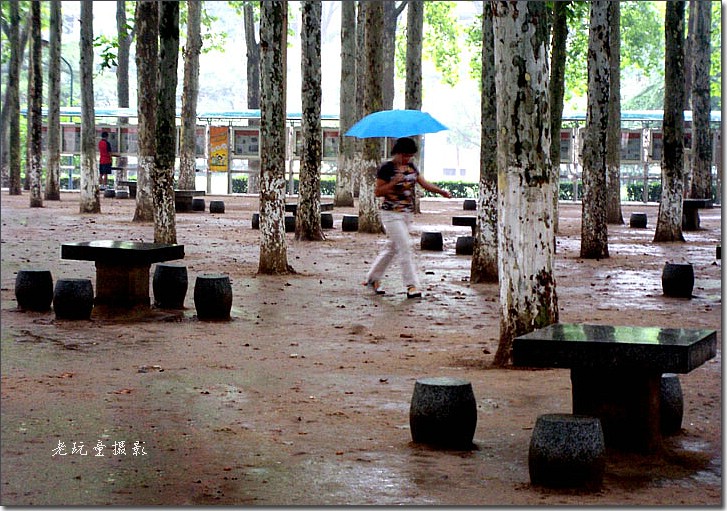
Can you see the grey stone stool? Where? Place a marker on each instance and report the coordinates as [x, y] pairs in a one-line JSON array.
[[326, 220], [465, 245], [34, 290], [677, 280], [109, 193], [469, 204], [217, 206], [567, 451], [349, 223], [638, 220], [443, 413], [432, 241], [73, 299], [122, 194], [170, 285], [213, 297], [198, 204], [672, 404], [256, 220]]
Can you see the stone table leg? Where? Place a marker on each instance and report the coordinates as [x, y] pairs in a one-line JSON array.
[[120, 285], [627, 403]]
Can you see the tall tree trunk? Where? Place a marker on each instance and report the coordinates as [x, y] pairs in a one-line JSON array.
[[343, 195], [689, 53], [613, 133], [557, 92], [669, 221], [368, 212], [273, 41], [528, 297], [413, 86], [89, 201], [147, 57], [188, 152], [53, 172], [122, 82], [162, 177], [35, 100], [701, 156], [308, 216], [594, 229], [253, 86], [360, 167], [484, 255], [388, 42], [13, 107]]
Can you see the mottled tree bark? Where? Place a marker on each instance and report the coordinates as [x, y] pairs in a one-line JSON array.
[[253, 86], [273, 40], [147, 48], [89, 201], [594, 229], [13, 107], [35, 101], [343, 195], [557, 92], [413, 86], [701, 157], [53, 172], [368, 211], [308, 216], [162, 176], [188, 149], [669, 221], [122, 83], [484, 255], [613, 133], [528, 298]]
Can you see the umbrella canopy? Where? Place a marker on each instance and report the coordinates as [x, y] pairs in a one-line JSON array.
[[395, 124]]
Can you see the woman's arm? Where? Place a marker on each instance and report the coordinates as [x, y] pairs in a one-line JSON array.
[[432, 188]]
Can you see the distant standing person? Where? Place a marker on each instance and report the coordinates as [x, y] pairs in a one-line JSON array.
[[396, 182], [104, 161]]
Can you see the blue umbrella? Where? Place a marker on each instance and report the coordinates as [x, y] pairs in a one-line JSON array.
[[395, 124]]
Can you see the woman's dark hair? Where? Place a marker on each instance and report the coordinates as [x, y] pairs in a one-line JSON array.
[[404, 145]]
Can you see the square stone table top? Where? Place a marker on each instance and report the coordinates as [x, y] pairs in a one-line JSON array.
[[652, 349], [122, 252]]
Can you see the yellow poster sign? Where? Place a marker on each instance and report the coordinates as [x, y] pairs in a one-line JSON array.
[[219, 148]]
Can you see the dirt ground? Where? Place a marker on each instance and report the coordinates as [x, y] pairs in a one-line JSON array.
[[303, 397]]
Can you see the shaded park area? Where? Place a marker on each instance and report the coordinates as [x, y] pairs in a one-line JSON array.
[[303, 396]]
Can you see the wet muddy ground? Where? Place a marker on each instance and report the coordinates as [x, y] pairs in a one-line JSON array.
[[303, 397]]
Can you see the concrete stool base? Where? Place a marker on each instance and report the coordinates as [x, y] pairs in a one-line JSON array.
[[34, 290], [443, 413], [122, 194], [465, 245], [170, 286], [213, 297], [217, 206], [432, 241], [109, 193], [256, 220], [469, 205], [567, 451], [73, 299], [672, 404], [638, 220], [349, 223], [289, 223], [677, 280], [198, 204], [326, 220]]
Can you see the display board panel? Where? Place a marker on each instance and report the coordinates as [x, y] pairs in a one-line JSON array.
[[71, 139], [631, 145], [129, 140], [246, 142], [566, 146], [331, 140]]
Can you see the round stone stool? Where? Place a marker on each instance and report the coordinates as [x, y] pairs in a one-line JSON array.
[[443, 413], [432, 241], [677, 280], [349, 223], [170, 285], [469, 204], [637, 220], [465, 245], [567, 451], [199, 205], [217, 206], [326, 220], [109, 193], [34, 290], [122, 194], [213, 296], [672, 404], [289, 223], [73, 298], [256, 220]]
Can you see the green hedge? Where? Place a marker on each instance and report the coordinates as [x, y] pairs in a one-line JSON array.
[[635, 192], [328, 185]]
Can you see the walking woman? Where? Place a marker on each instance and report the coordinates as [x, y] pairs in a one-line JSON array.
[[395, 182]]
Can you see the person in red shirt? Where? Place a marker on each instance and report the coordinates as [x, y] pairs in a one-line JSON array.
[[104, 161]]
